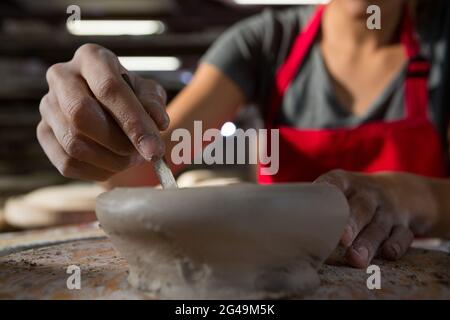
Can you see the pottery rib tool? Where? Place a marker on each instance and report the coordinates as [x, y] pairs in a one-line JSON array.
[[160, 166], [164, 174]]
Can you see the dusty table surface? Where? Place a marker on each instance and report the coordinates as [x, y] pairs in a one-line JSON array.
[[40, 273], [12, 242]]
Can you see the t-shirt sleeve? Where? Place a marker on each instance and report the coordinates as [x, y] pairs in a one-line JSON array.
[[238, 54]]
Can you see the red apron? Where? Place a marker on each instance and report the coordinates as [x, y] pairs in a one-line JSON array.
[[411, 144]]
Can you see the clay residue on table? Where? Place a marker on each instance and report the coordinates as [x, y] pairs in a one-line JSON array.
[[41, 274], [19, 241]]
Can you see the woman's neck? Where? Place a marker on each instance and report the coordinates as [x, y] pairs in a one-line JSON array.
[[350, 30]]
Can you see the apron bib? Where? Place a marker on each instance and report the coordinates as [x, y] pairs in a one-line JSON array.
[[411, 144]]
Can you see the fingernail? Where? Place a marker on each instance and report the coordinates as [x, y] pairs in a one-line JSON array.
[[348, 236], [363, 253], [395, 249], [166, 120], [148, 145]]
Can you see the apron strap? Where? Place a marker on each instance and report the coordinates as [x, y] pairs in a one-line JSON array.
[[288, 70], [418, 70], [416, 88]]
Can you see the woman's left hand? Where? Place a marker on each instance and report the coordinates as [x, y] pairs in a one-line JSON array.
[[386, 211]]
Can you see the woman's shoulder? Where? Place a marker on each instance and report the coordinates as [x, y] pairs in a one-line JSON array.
[[274, 30], [298, 15], [271, 24], [251, 50]]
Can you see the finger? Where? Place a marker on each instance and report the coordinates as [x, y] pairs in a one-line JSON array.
[[102, 73], [362, 210], [342, 180], [77, 145], [398, 243], [84, 112], [364, 248], [67, 166], [339, 178], [153, 98]]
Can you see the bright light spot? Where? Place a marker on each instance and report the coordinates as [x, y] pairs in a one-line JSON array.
[[115, 27], [186, 77], [150, 63], [228, 129], [279, 2]]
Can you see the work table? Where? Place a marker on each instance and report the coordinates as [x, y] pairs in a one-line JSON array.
[[33, 265]]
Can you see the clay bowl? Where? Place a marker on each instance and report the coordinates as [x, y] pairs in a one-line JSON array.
[[237, 241]]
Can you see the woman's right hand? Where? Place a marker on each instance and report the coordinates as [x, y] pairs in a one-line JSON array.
[[93, 124]]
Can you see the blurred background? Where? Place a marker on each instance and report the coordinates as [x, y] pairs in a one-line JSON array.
[[160, 39]]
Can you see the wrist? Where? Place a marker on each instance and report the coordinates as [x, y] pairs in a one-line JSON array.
[[415, 197], [440, 189]]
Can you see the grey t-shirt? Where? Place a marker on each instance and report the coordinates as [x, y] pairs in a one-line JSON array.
[[250, 53]]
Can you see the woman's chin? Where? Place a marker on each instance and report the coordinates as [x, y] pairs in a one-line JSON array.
[[356, 8]]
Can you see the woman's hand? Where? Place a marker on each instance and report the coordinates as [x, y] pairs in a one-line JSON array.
[[386, 211], [93, 124]]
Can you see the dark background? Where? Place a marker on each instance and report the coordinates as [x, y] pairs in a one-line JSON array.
[[33, 36]]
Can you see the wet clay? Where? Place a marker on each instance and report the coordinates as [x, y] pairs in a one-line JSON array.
[[238, 241]]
